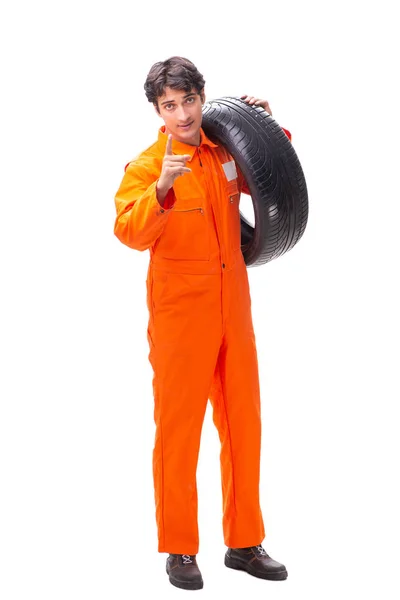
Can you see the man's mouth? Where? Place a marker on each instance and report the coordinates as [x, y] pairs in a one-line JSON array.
[[186, 126]]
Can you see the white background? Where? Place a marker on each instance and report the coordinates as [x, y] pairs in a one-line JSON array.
[[76, 431]]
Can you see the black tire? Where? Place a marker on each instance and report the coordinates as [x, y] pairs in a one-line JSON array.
[[272, 171]]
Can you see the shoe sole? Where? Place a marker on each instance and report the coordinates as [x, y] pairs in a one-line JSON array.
[[231, 563], [185, 585]]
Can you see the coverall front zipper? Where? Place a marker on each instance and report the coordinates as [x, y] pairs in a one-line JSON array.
[[189, 209]]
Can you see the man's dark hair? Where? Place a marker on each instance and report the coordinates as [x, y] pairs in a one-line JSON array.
[[177, 73]]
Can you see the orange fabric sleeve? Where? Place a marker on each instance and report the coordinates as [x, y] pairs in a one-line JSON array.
[[140, 217], [242, 185]]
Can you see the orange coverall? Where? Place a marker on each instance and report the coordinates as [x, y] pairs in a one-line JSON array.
[[200, 334]]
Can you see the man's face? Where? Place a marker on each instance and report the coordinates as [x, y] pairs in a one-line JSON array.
[[182, 114]]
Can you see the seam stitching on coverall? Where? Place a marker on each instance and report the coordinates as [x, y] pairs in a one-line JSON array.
[[162, 484], [161, 434], [230, 439]]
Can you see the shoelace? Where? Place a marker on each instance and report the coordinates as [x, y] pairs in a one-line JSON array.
[[186, 559], [261, 550]]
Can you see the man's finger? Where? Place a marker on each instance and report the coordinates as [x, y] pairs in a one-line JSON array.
[[183, 172], [168, 149], [179, 168], [176, 171], [179, 158]]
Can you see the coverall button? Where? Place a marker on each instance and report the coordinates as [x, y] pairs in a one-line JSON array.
[[161, 210], [223, 265]]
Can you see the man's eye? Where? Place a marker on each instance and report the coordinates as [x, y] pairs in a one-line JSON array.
[[168, 106], [191, 100]]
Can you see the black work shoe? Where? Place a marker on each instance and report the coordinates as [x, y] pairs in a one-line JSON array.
[[255, 561], [183, 571]]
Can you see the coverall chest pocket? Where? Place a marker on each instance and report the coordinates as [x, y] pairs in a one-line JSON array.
[[233, 215], [186, 234]]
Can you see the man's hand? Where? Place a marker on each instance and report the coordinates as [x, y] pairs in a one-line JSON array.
[[257, 102], [173, 166]]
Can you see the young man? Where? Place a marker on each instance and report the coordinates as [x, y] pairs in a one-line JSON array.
[[180, 199]]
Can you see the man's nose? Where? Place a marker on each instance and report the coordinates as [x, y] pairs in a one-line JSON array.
[[182, 115]]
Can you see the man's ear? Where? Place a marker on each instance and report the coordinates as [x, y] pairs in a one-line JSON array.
[[202, 96]]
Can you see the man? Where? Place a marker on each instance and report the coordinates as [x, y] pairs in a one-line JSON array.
[[180, 199]]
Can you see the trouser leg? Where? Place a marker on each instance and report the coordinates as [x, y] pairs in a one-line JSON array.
[[235, 397], [184, 335]]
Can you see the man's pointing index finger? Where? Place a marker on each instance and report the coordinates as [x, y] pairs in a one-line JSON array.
[[168, 149]]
